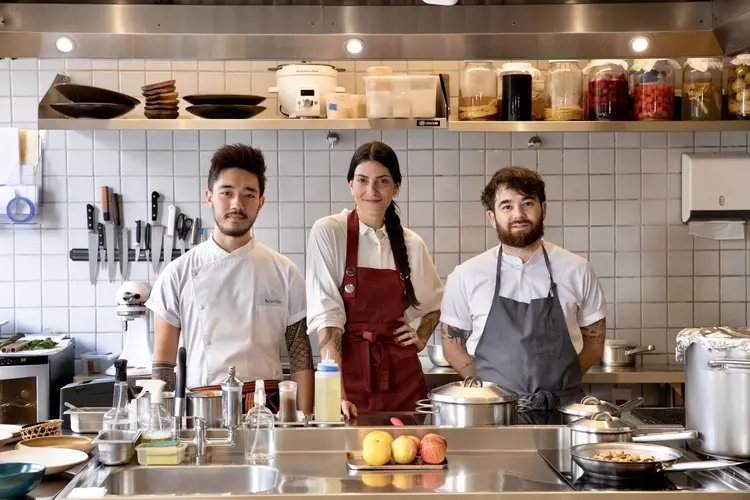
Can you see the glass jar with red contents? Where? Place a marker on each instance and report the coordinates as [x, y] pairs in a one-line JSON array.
[[652, 86], [607, 89]]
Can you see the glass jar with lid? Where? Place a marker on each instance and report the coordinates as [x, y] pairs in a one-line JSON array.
[[652, 88], [477, 91], [702, 89], [738, 88], [606, 89], [521, 86], [563, 88]]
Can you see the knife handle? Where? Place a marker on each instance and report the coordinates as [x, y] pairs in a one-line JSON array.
[[116, 209], [100, 229], [90, 216], [154, 206], [105, 202], [171, 220], [138, 225], [147, 237]]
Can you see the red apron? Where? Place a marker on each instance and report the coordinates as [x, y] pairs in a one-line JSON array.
[[378, 374]]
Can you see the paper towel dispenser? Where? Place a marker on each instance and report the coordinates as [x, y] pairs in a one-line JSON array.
[[715, 187]]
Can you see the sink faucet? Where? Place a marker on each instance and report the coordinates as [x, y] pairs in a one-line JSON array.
[[200, 441]]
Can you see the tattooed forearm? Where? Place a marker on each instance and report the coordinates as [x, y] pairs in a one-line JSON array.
[[455, 335], [298, 347], [329, 338], [454, 350], [594, 333], [427, 325], [593, 344], [163, 370]]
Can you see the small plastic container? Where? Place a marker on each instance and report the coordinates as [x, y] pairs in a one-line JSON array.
[[338, 106], [401, 96], [96, 363], [160, 455]]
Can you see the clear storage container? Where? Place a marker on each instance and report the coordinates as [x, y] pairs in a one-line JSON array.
[[607, 90], [738, 88], [517, 98], [702, 89], [160, 455], [653, 88], [563, 90], [477, 91], [401, 96], [96, 363]]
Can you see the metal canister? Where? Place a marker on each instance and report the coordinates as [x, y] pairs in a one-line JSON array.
[[231, 400]]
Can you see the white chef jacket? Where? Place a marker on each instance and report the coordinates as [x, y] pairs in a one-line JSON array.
[[258, 293], [471, 286], [326, 260]]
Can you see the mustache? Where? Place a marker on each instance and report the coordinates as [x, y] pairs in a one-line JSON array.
[[236, 214]]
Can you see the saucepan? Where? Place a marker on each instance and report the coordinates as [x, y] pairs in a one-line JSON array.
[[606, 460], [590, 406], [606, 428], [622, 352]]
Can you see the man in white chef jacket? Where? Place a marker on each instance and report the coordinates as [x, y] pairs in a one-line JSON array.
[[231, 300]]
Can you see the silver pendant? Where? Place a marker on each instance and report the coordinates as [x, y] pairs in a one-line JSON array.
[[349, 288]]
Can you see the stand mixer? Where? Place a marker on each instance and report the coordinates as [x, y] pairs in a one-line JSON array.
[[138, 350]]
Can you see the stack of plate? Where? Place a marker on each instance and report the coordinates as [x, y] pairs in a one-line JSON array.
[[224, 106], [93, 102], [161, 100]]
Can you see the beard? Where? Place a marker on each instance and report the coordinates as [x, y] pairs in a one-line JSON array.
[[520, 239], [234, 228]]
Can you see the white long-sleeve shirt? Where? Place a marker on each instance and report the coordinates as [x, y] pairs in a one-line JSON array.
[[326, 262]]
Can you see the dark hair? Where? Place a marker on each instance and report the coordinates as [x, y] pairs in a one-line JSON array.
[[521, 179], [240, 156], [382, 153]]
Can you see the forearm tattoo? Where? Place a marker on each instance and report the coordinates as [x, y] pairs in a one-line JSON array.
[[595, 332], [331, 335], [455, 335], [164, 370], [298, 347], [427, 325]]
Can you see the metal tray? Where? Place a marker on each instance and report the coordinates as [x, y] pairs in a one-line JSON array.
[[87, 420], [355, 462], [300, 422]]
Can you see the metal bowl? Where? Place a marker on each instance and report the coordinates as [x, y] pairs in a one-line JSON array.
[[435, 352]]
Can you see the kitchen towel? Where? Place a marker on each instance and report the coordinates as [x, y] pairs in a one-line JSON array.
[[718, 230]]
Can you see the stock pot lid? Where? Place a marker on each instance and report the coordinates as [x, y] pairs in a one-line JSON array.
[[601, 423], [719, 338], [588, 407], [619, 343], [473, 390]]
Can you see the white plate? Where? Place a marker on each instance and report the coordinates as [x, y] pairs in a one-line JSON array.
[[55, 459], [5, 435], [11, 429]]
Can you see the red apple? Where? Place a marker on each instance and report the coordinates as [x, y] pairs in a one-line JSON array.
[[432, 449]]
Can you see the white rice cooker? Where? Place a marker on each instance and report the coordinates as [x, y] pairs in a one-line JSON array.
[[302, 88]]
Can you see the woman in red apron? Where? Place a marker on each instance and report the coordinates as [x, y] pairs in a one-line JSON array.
[[368, 279]]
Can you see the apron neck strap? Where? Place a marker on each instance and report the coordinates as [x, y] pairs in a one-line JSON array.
[[552, 284], [352, 239]]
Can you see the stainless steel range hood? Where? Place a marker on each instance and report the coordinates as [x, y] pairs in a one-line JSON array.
[[390, 29]]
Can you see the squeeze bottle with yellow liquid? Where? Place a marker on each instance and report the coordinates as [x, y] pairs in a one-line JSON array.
[[327, 391]]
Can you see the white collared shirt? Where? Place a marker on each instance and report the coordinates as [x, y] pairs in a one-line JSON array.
[[326, 260], [471, 286]]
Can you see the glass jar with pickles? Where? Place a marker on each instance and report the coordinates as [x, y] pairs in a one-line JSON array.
[[702, 89], [607, 90], [738, 88], [652, 88], [477, 91], [563, 88]]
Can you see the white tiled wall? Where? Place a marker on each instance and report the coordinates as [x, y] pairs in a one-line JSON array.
[[613, 198]]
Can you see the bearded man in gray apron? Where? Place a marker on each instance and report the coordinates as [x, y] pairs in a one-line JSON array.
[[526, 314]]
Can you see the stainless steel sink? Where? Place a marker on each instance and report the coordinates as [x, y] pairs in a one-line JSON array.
[[192, 480]]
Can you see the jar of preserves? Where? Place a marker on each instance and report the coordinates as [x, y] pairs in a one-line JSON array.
[[537, 89], [738, 88], [607, 89], [563, 89], [477, 91], [652, 87], [701, 89]]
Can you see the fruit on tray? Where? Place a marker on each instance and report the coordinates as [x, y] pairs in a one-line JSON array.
[[404, 450], [432, 448], [376, 448]]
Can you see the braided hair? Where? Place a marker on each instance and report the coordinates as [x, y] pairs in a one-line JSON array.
[[382, 153]]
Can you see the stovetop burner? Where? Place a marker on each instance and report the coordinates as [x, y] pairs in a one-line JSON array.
[[590, 483]]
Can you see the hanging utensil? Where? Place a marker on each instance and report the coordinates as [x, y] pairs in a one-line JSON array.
[[171, 225], [93, 243], [109, 229], [102, 246], [117, 220], [138, 240], [125, 255], [157, 232]]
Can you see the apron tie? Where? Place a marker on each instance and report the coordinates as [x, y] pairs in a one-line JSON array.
[[372, 349]]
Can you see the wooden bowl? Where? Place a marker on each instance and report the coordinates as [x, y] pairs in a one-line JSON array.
[[79, 443]]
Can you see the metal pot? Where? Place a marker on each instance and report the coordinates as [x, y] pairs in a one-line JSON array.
[[605, 428], [590, 406], [205, 404], [622, 353], [470, 403], [435, 352], [717, 389]]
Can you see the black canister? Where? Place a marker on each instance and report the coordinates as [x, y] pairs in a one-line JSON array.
[[516, 97]]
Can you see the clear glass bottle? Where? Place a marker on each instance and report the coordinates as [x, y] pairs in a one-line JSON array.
[[119, 417], [738, 88], [607, 90], [260, 445], [653, 88], [563, 88], [702, 89], [477, 91]]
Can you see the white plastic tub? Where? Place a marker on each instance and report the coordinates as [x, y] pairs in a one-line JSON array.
[[401, 96]]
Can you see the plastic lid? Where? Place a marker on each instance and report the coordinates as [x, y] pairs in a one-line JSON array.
[[327, 364], [601, 423], [154, 387], [260, 393], [473, 391], [619, 343], [287, 385]]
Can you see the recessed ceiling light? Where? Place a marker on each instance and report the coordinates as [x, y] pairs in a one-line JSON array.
[[65, 44], [354, 46], [639, 44]]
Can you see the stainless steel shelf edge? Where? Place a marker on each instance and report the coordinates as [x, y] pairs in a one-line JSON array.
[[583, 126]]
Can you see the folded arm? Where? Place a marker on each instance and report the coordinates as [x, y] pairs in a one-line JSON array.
[[593, 344], [301, 364], [454, 350]]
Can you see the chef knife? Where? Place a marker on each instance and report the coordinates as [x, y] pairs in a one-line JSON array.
[[138, 240], [147, 242], [117, 220], [125, 254], [93, 243], [157, 232], [102, 251], [109, 229], [171, 221]]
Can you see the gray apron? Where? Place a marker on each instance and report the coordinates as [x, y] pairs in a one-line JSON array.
[[527, 348]]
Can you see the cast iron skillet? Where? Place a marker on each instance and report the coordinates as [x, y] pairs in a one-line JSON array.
[[246, 100], [86, 93], [102, 111]]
